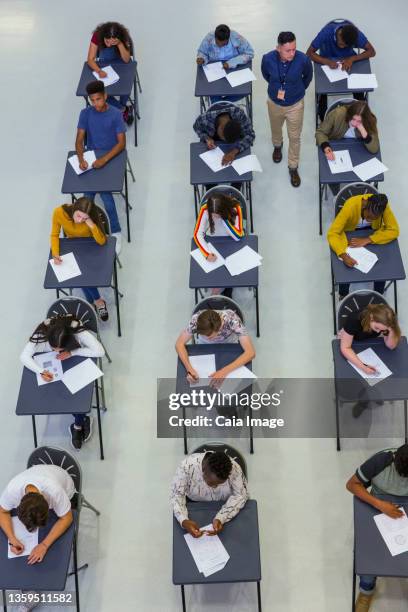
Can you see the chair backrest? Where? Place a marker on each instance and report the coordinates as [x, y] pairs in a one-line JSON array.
[[104, 219], [223, 106], [336, 103], [51, 455], [355, 302], [349, 191], [218, 302], [231, 451], [78, 308], [229, 191]]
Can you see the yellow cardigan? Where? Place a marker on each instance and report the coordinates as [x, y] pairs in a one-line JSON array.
[[60, 219], [386, 227]]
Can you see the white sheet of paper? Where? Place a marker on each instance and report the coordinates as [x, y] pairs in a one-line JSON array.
[[242, 260], [208, 266], [249, 163], [49, 361], [67, 269], [239, 77], [214, 71], [362, 81], [369, 169], [27, 538], [334, 74], [237, 380], [204, 365], [370, 358], [79, 376], [208, 552], [89, 156], [111, 76], [394, 532], [365, 258], [341, 163], [213, 159]]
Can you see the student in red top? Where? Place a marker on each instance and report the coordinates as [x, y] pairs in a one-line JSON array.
[[111, 42]]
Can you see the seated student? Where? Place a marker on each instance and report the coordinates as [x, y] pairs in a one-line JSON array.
[[68, 337], [353, 120], [211, 476], [220, 215], [386, 473], [79, 220], [215, 326], [103, 127], [226, 46], [335, 43], [111, 42], [33, 493], [359, 212]]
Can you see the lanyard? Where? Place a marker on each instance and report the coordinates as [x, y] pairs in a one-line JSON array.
[[278, 62]]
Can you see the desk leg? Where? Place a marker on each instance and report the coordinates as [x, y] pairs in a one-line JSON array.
[[136, 109], [202, 105], [195, 296], [353, 601], [251, 114], [4, 601], [184, 431], [337, 420], [98, 412], [74, 551], [127, 207], [317, 109], [333, 291], [196, 199], [183, 598], [251, 433], [258, 588], [321, 189], [256, 289], [406, 421], [251, 214], [395, 297], [116, 291], [34, 430]]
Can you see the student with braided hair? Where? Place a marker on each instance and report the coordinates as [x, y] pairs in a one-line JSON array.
[[361, 212], [211, 476], [66, 336]]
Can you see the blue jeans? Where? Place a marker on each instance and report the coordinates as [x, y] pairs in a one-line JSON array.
[[110, 207], [111, 54], [91, 294], [120, 104], [79, 419], [367, 584]]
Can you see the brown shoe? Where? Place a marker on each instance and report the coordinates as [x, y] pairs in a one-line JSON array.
[[294, 177], [277, 154], [363, 602]]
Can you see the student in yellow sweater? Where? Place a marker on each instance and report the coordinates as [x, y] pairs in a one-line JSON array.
[[80, 220], [359, 212]]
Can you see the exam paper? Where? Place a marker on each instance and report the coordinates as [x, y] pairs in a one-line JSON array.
[[370, 358], [237, 380], [239, 77], [49, 361], [335, 74], [369, 169], [365, 258], [204, 365], [214, 71], [208, 266], [243, 260], [27, 538], [341, 163], [394, 532], [208, 552], [362, 81], [67, 269], [89, 156], [213, 159], [245, 164], [81, 375], [111, 76]]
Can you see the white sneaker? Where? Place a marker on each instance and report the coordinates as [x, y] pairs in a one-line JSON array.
[[118, 246]]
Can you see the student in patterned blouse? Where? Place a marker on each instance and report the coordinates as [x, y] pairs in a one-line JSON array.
[[211, 476]]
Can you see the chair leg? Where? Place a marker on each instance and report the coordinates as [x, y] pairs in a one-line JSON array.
[[130, 170], [81, 567], [138, 82], [119, 262], [86, 504], [102, 387], [120, 294], [106, 352]]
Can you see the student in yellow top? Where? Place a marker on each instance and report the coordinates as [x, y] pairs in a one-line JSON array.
[[362, 211], [80, 220]]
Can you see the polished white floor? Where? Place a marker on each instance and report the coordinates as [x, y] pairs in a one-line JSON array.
[[305, 512]]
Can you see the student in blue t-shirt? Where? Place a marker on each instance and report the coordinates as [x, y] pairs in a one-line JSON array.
[[103, 127], [336, 44]]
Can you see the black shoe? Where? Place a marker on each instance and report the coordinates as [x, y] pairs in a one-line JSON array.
[[76, 437], [227, 292], [277, 154], [128, 116], [359, 408], [294, 177], [87, 428]]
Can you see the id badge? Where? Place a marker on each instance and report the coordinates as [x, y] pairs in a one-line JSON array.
[[281, 94]]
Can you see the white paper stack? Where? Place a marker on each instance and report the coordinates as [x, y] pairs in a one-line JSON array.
[[362, 81], [243, 260], [341, 163], [208, 266], [249, 163], [213, 159], [89, 156], [27, 538], [334, 74], [208, 552], [48, 361], [394, 532], [370, 358], [111, 76], [214, 71], [365, 259], [369, 169], [204, 365], [81, 375], [67, 269], [239, 77]]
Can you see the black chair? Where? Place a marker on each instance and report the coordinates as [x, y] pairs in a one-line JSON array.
[[229, 191], [355, 303], [350, 190], [218, 302], [231, 451], [339, 102]]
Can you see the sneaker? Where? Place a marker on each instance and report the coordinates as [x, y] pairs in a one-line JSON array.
[[128, 116], [363, 602], [118, 245], [76, 437], [87, 428], [102, 311], [294, 177], [277, 154]]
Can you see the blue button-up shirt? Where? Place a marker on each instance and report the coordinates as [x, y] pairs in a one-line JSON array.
[[294, 77], [326, 42], [237, 51]]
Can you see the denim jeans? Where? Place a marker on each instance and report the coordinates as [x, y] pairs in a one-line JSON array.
[[344, 288], [120, 104], [111, 54], [367, 584], [79, 419], [110, 207], [91, 294]]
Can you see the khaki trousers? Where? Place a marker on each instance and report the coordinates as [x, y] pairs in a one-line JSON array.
[[293, 115]]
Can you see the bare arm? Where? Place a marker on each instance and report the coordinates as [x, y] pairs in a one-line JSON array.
[[346, 341], [247, 356], [366, 54], [58, 529], [6, 525], [91, 60], [181, 342], [79, 144], [391, 340], [358, 489], [124, 52], [315, 57], [119, 146]]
